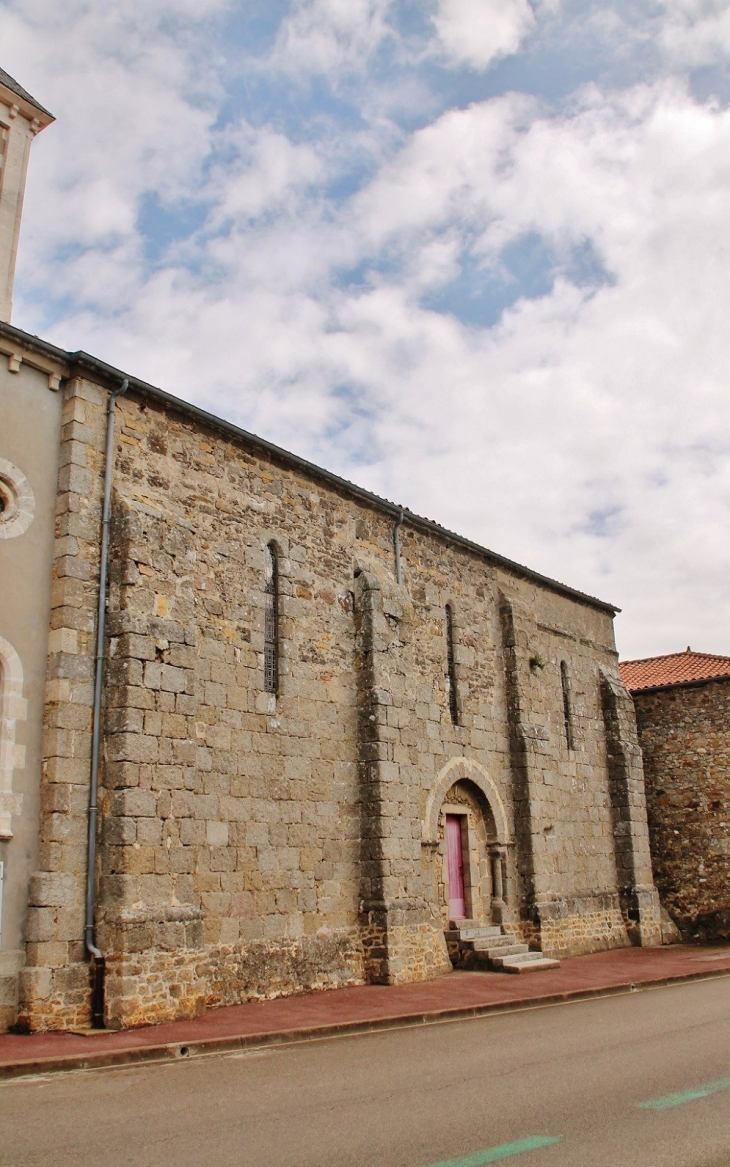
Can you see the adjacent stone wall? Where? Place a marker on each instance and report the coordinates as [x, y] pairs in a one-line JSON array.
[[685, 740]]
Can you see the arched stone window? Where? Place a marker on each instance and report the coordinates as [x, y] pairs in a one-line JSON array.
[[271, 620], [567, 708], [451, 666]]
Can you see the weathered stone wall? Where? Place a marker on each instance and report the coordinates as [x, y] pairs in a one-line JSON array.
[[570, 829], [685, 740], [238, 805], [255, 843]]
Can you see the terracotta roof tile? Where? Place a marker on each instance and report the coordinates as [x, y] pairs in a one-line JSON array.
[[676, 668]]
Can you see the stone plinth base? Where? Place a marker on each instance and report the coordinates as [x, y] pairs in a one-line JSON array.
[[577, 925], [10, 965], [54, 998], [644, 916], [144, 988], [263, 969], [403, 942]]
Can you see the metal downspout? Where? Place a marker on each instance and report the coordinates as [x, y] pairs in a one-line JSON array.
[[396, 548], [97, 994]]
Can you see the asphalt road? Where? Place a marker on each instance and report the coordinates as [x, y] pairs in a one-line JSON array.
[[465, 1093]]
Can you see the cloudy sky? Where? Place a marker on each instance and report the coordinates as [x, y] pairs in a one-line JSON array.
[[472, 254]]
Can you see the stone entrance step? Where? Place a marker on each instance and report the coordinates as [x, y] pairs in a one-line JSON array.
[[475, 934], [518, 965], [510, 947], [523, 962], [472, 945]]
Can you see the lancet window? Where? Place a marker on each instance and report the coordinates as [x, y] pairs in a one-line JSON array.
[[451, 666], [271, 620], [567, 708]]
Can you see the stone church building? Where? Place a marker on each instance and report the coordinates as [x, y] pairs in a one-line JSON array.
[[291, 734]]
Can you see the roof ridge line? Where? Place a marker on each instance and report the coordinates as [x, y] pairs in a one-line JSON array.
[[111, 375]]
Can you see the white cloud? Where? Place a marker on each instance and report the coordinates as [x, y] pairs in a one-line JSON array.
[[477, 32], [325, 36], [587, 434], [267, 174], [135, 101], [696, 32]]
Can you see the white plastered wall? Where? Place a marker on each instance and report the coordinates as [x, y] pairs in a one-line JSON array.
[[30, 425]]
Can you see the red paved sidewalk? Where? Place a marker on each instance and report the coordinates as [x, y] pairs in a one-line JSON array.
[[364, 1008]]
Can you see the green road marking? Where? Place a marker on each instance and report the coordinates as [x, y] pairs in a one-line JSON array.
[[671, 1100], [492, 1154]]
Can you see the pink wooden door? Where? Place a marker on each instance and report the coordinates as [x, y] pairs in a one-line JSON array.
[[455, 862]]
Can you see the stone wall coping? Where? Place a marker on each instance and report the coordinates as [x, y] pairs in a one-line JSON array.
[[82, 364]]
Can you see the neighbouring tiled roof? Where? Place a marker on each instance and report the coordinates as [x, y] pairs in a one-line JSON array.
[[11, 84], [676, 668]]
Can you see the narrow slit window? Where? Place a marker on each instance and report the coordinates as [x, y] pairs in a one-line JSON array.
[[271, 621], [567, 710], [451, 666]]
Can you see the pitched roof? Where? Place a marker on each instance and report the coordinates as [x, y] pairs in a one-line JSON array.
[[676, 668], [81, 362], [11, 84]]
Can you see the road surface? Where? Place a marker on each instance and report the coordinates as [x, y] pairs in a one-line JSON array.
[[566, 1085]]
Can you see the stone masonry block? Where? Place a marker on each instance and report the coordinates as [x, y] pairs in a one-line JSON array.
[[121, 831], [132, 747], [134, 803], [76, 480], [216, 834], [173, 680], [53, 889]]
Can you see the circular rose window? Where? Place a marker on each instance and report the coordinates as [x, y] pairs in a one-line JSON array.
[[17, 504]]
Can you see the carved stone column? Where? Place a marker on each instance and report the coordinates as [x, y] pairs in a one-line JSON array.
[[497, 862]]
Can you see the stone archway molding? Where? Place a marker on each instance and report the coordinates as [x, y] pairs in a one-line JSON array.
[[454, 771], [13, 708]]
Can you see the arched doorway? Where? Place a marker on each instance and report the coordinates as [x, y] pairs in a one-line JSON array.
[[465, 825], [468, 833]]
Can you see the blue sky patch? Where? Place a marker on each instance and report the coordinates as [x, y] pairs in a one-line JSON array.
[[527, 269]]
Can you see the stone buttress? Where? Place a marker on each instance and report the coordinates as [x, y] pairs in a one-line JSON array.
[[402, 930], [639, 897], [54, 985]]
